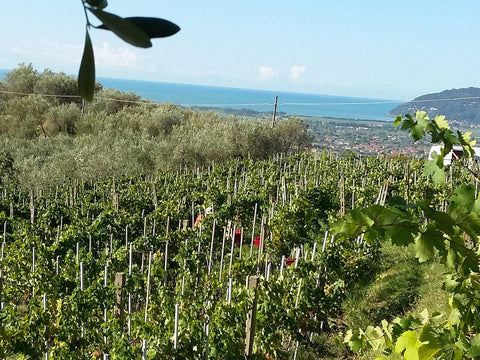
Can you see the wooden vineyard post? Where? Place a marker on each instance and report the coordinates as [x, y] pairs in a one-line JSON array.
[[251, 317], [119, 286]]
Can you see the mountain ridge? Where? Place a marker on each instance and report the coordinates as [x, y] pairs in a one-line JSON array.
[[458, 105]]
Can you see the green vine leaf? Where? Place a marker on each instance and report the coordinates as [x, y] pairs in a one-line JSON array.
[[432, 168], [441, 122], [474, 350], [421, 125], [463, 199], [425, 244], [408, 344], [432, 345]]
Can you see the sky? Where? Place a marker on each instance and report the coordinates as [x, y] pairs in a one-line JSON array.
[[390, 49]]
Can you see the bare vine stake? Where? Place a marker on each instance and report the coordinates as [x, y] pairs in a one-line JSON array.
[[296, 306], [129, 323], [353, 193], [282, 265], [207, 332], [211, 247], [82, 328], [126, 237], [77, 252], [253, 229], [241, 244], [89, 243], [148, 284], [44, 301], [144, 350], [175, 331], [251, 316], [105, 276], [144, 226], [260, 247], [229, 291], [221, 257], [324, 241], [105, 284], [1, 273], [198, 252], [32, 209], [231, 253], [184, 266], [81, 276], [33, 269], [476, 195], [193, 213], [165, 267], [320, 265]]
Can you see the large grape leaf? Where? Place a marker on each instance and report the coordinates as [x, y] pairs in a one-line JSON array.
[[408, 344], [437, 172], [425, 244]]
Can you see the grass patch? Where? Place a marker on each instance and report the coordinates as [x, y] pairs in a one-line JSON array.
[[401, 285], [391, 293]]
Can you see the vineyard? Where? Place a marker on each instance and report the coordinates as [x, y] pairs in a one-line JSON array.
[[219, 262]]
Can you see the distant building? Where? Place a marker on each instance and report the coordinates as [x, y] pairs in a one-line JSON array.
[[455, 154]]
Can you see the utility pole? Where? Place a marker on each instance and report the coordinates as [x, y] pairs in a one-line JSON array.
[[274, 112]]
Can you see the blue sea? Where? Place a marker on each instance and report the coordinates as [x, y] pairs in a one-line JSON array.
[[258, 100]]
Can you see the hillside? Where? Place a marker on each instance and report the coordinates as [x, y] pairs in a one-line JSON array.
[[461, 105]]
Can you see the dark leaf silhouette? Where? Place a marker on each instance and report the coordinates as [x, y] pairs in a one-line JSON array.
[[123, 28], [86, 74], [153, 27]]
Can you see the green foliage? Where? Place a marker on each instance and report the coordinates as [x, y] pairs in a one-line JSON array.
[[451, 236], [95, 215], [7, 169], [21, 80], [119, 133]]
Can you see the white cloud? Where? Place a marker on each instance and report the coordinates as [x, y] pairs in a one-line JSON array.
[[266, 73], [297, 72], [119, 57]]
